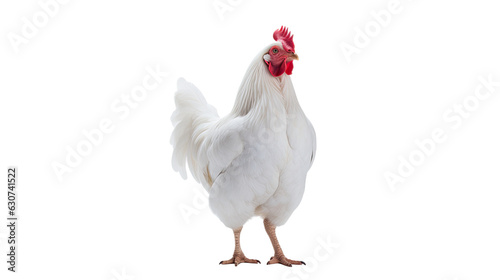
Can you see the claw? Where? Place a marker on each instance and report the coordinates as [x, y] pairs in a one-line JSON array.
[[284, 261], [239, 259]]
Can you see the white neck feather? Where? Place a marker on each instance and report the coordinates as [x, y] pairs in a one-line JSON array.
[[263, 93]]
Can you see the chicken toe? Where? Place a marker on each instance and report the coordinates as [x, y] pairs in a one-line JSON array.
[[239, 258], [284, 261]]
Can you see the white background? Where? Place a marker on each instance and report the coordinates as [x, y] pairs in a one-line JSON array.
[[118, 215]]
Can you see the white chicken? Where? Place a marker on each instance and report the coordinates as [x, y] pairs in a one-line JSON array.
[[253, 161]]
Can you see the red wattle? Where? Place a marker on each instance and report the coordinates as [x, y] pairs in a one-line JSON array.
[[289, 67], [277, 71]]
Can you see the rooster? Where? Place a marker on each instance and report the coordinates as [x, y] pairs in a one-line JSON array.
[[254, 161]]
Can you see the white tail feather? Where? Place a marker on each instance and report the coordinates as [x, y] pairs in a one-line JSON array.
[[193, 115]]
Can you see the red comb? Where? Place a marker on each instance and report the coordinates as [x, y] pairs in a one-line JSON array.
[[283, 35]]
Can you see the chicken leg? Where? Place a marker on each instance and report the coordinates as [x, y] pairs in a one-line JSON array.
[[278, 257], [238, 256]]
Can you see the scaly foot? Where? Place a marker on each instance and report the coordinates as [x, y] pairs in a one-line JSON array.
[[239, 258], [284, 261]]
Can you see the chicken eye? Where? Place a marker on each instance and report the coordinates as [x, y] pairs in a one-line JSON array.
[[275, 50]]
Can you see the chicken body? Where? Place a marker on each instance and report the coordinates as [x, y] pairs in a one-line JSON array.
[[255, 160], [267, 178]]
